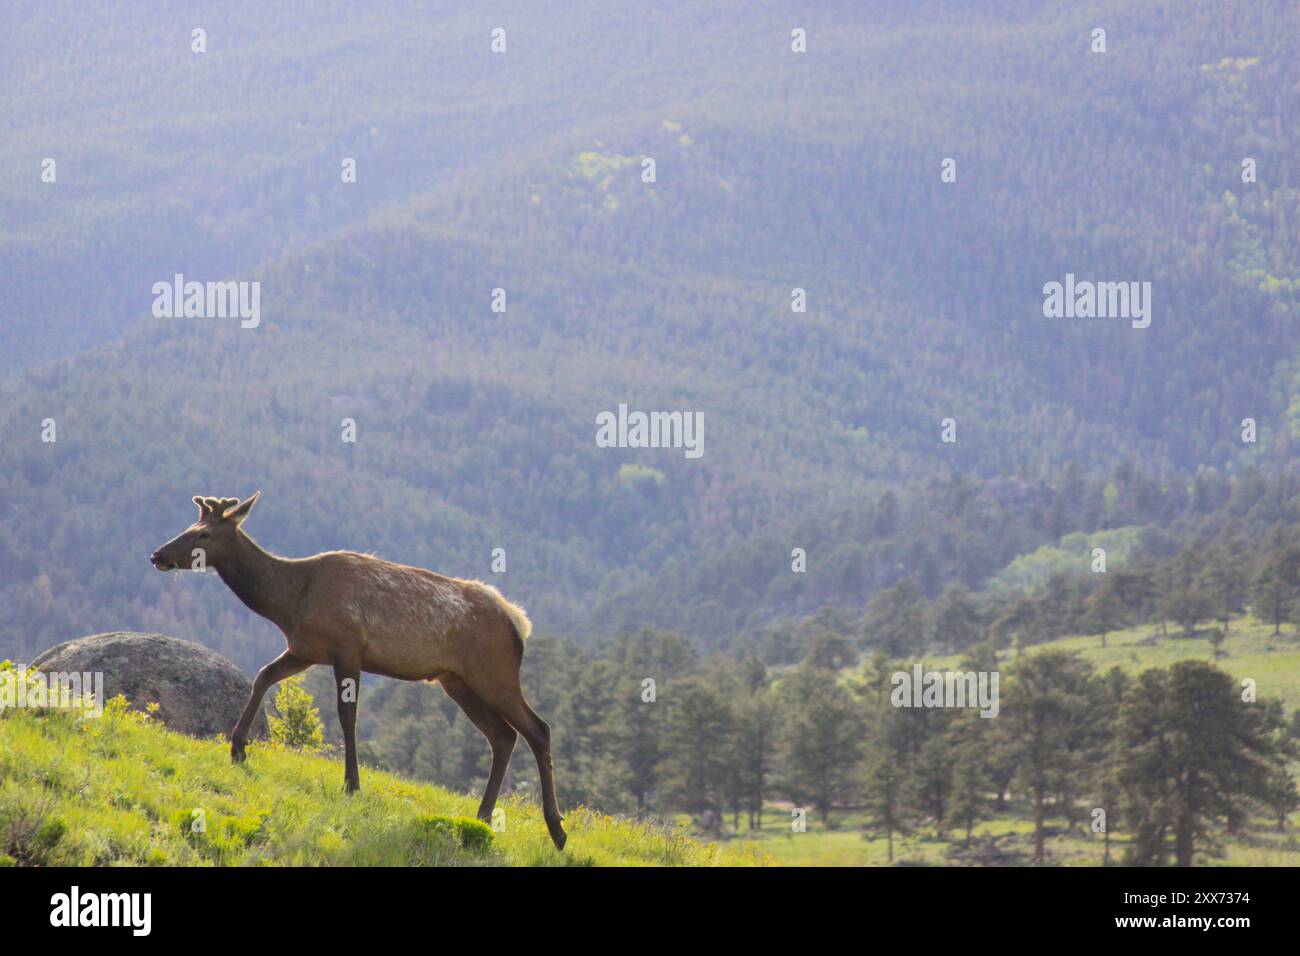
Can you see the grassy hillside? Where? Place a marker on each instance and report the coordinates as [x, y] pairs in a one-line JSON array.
[[1249, 650], [122, 790]]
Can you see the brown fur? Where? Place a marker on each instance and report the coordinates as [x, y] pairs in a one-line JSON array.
[[358, 613]]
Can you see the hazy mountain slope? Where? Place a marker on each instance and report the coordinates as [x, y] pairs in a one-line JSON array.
[[168, 160], [476, 429]]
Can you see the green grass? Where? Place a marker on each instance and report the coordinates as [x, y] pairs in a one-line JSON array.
[[1006, 839], [123, 790]]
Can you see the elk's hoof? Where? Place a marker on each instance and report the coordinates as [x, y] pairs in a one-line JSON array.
[[558, 836], [352, 786], [237, 753]]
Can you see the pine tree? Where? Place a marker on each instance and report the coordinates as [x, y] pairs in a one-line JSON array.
[[756, 729], [587, 755], [1276, 584], [970, 777], [1104, 611], [1048, 721], [929, 786], [1190, 753], [954, 618], [1187, 602], [895, 619], [698, 737], [1224, 579], [821, 738]]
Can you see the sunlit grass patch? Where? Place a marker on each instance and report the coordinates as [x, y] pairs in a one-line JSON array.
[[122, 789]]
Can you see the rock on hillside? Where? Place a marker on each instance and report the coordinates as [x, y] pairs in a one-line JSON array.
[[198, 691]]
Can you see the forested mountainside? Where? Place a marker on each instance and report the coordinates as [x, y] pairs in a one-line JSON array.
[[773, 171]]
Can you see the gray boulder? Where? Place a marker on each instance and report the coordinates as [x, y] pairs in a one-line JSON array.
[[198, 692]]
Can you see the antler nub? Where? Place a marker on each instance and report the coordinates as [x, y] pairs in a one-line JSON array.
[[210, 507]]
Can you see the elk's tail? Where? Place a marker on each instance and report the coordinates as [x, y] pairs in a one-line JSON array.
[[518, 617]]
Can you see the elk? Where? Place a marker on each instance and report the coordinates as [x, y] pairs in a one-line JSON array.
[[356, 612]]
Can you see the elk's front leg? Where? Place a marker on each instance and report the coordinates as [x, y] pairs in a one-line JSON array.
[[347, 677], [286, 665]]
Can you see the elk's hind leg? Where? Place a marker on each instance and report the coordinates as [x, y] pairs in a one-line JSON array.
[[510, 704], [500, 736]]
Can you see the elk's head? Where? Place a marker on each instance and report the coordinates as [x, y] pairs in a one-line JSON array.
[[210, 538]]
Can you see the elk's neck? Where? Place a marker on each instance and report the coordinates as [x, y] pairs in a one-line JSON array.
[[267, 584]]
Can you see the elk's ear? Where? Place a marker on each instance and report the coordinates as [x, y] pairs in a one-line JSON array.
[[240, 511]]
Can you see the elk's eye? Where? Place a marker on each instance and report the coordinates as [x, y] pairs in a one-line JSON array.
[[204, 534]]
